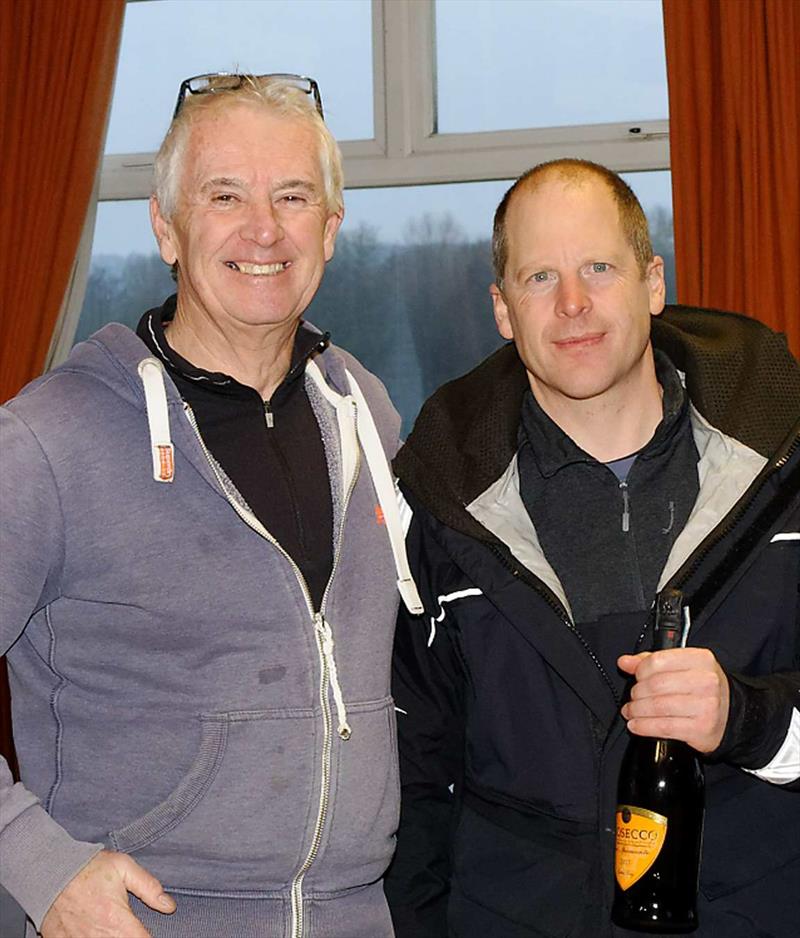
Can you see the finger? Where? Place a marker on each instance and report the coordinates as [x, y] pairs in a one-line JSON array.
[[680, 729], [630, 663], [695, 733], [671, 705], [144, 885], [677, 659], [692, 683], [672, 727], [698, 721]]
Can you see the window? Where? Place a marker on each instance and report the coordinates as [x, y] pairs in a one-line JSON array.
[[178, 38], [502, 64], [428, 151]]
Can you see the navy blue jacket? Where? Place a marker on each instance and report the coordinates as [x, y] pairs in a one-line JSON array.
[[509, 727]]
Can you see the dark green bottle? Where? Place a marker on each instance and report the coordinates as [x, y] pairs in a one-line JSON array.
[[659, 820]]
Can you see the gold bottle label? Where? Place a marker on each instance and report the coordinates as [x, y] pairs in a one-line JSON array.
[[640, 837]]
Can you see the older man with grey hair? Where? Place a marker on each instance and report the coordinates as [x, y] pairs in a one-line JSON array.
[[206, 558]]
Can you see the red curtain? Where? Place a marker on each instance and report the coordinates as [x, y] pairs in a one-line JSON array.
[[733, 69], [57, 65]]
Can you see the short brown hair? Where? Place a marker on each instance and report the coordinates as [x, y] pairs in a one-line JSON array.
[[631, 215]]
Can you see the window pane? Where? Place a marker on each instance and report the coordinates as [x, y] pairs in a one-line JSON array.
[[508, 64], [406, 292], [165, 41], [126, 276]]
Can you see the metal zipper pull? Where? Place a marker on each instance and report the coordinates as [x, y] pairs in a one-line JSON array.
[[626, 508], [268, 415]]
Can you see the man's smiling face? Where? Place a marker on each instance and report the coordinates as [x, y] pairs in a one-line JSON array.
[[251, 231], [574, 299]]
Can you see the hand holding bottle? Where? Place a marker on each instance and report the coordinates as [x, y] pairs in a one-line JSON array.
[[660, 794], [680, 693]]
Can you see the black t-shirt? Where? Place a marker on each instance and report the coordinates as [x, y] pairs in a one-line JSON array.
[[272, 450]]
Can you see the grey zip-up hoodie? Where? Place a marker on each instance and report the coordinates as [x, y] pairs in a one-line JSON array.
[[174, 694]]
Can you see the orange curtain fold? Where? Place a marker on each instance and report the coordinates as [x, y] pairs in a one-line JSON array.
[[57, 65], [733, 70]]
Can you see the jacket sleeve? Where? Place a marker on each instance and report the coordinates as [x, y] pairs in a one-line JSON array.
[[428, 691], [38, 856], [762, 735], [763, 731]]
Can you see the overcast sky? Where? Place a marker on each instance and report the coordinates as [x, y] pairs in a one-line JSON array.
[[501, 64]]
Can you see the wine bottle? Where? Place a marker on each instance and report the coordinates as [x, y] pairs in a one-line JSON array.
[[659, 820]]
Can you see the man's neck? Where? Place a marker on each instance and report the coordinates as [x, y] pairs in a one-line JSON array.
[[258, 360], [611, 425]]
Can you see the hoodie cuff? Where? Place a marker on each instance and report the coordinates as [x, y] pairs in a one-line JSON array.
[[37, 860]]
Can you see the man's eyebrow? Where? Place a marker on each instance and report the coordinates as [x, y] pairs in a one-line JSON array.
[[304, 184], [230, 182]]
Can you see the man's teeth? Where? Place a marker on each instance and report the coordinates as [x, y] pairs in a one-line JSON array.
[[257, 270]]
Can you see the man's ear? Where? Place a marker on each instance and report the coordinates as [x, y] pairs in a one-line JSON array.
[[656, 285], [501, 315], [164, 232], [332, 225]]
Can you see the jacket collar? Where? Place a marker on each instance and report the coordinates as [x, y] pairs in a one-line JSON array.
[[553, 450], [738, 373]]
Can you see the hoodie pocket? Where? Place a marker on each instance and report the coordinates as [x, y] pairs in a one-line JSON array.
[[366, 799], [238, 820]]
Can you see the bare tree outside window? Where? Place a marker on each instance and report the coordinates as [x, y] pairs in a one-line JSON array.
[[415, 311]]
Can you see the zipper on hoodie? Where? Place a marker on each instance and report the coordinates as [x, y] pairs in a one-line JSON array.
[[297, 882], [269, 416], [318, 618], [249, 519]]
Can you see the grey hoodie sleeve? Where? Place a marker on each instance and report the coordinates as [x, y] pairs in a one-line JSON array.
[[37, 856]]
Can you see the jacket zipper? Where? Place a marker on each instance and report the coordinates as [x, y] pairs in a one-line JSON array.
[[318, 619], [677, 581], [733, 517], [549, 597], [724, 528]]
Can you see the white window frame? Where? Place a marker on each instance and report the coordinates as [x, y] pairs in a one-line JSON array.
[[406, 149]]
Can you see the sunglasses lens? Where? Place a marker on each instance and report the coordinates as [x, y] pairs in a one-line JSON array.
[[209, 84]]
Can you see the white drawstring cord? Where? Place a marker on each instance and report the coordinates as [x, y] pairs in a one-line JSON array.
[[382, 478], [151, 371], [383, 481], [326, 636]]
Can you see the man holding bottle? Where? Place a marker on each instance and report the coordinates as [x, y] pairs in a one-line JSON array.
[[556, 491]]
